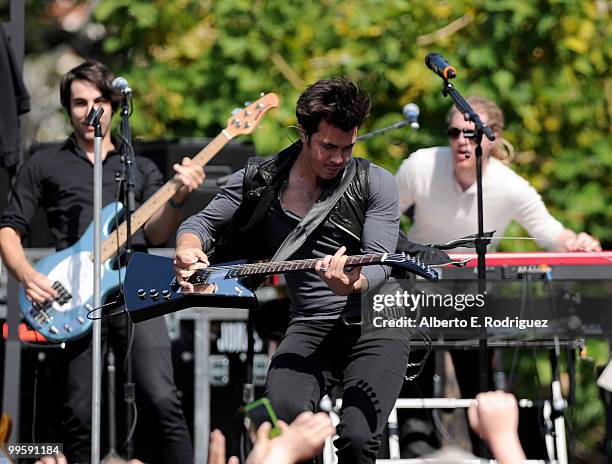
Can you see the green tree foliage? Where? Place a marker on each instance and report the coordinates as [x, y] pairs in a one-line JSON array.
[[547, 63]]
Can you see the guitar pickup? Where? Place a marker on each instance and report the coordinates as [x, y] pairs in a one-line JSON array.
[[63, 296], [200, 277]]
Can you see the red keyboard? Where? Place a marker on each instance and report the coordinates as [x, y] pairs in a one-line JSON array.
[[540, 258]]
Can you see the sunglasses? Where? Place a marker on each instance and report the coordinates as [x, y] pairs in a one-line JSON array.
[[454, 132]]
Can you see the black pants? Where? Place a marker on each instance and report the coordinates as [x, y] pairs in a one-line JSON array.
[[316, 355], [155, 389]]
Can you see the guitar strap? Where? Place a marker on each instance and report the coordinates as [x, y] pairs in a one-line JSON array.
[[315, 215]]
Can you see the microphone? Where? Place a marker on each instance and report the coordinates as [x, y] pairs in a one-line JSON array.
[[440, 66], [411, 113], [121, 84], [93, 118]]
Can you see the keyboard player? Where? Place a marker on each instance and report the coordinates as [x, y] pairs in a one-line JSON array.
[[438, 186]]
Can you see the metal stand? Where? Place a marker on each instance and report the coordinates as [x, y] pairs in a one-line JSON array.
[[127, 154], [248, 389], [202, 318], [481, 241], [382, 130], [94, 120], [558, 406], [12, 356], [111, 372]]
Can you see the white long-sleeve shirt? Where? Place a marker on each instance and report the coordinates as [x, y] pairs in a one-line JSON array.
[[444, 211]]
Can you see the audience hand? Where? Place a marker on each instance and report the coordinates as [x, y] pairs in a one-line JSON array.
[[57, 459], [216, 449], [494, 417], [263, 444], [301, 440], [306, 435]]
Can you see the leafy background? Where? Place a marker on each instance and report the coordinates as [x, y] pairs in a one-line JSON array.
[[546, 62]]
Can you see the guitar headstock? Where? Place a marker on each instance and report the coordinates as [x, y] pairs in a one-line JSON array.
[[245, 121], [410, 264]]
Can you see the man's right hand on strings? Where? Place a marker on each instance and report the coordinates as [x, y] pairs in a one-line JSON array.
[[37, 286], [187, 261]]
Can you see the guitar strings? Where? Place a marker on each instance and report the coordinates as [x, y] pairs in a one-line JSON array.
[[258, 266]]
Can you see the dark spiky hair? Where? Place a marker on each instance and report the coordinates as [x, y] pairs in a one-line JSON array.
[[337, 101]]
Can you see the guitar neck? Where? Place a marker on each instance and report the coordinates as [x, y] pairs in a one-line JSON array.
[[284, 267], [117, 238]]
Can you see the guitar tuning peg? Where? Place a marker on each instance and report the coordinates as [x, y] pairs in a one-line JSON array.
[[262, 94], [236, 111], [247, 103]]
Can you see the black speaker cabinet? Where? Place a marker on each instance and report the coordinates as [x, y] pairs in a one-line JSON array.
[[230, 159]]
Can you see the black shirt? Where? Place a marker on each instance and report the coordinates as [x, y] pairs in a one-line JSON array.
[[60, 179]]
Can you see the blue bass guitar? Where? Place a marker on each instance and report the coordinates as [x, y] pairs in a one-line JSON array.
[[71, 271]]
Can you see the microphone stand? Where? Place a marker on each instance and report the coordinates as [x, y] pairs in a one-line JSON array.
[[481, 240], [93, 120], [382, 130], [127, 156]]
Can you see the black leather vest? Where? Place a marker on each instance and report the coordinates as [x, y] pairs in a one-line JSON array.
[[263, 179]]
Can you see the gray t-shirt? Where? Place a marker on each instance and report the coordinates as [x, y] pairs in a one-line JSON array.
[[310, 296]]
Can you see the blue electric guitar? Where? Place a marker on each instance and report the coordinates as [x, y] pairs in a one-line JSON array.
[[71, 270], [151, 288]]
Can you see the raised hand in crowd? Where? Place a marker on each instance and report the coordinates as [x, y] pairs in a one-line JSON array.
[[216, 449], [494, 416], [303, 439], [57, 459], [61, 459]]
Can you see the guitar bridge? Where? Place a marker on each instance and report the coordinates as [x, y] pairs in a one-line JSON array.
[[39, 310], [39, 314]]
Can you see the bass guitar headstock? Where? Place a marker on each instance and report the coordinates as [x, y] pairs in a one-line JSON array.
[[246, 120]]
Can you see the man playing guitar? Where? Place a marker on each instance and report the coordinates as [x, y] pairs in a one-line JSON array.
[[61, 180]]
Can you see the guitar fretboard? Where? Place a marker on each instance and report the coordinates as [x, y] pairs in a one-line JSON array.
[[283, 267]]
